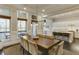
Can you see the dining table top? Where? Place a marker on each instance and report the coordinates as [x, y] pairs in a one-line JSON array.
[[46, 43], [43, 42]]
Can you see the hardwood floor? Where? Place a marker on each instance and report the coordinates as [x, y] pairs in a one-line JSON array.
[[71, 49]]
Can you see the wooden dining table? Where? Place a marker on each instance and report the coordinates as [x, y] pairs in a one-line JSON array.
[[43, 42], [47, 43]]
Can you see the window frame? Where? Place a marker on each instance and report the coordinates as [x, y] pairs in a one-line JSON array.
[[21, 19], [7, 18]]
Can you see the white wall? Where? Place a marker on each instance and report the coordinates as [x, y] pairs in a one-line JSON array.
[[5, 11], [67, 23]]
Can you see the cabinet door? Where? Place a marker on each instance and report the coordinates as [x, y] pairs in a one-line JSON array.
[[12, 50]]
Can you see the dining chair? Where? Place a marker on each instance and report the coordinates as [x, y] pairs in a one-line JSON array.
[[60, 48], [57, 49], [45, 36], [24, 43], [33, 48]]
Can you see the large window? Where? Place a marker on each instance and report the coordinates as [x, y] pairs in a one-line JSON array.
[[21, 27], [4, 29], [34, 29]]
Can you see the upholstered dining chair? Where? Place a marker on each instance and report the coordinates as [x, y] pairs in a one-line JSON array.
[[60, 48], [33, 48], [57, 49], [45, 36], [24, 43]]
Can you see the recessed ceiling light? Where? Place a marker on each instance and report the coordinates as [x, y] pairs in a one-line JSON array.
[[44, 15], [43, 10], [25, 8]]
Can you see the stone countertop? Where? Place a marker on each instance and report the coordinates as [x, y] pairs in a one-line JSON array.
[[7, 43]]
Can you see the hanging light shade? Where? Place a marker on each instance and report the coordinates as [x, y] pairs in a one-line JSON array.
[[44, 22], [34, 17]]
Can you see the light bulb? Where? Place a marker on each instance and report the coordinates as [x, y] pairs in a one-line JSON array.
[[25, 8], [31, 24], [45, 23], [45, 15], [43, 10]]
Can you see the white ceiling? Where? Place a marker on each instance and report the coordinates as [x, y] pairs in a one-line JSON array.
[[50, 9]]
